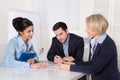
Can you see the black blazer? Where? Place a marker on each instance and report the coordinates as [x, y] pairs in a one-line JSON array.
[[75, 48], [104, 62]]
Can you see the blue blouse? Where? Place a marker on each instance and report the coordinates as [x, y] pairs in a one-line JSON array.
[[14, 49]]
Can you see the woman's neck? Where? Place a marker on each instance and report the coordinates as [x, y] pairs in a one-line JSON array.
[[97, 37], [25, 41]]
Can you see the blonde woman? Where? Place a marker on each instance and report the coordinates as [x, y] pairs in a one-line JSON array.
[[102, 64]]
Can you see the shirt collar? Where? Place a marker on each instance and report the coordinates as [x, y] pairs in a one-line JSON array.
[[21, 42], [67, 39], [100, 40]]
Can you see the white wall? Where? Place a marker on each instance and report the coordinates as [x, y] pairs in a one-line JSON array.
[[5, 5]]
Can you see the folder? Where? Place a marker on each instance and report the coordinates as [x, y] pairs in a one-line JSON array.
[[26, 55]]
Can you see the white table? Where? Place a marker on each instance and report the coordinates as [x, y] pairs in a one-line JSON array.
[[52, 72]]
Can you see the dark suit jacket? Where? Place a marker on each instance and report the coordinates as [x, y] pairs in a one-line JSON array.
[[104, 62], [75, 48]]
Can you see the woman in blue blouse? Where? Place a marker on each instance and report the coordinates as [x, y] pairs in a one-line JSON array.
[[21, 44]]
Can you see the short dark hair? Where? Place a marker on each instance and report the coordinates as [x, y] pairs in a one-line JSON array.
[[20, 23], [60, 25]]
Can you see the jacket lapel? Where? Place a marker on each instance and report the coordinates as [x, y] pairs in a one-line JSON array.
[[61, 48], [96, 52]]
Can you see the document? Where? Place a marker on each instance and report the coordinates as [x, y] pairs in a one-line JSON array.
[[26, 55]]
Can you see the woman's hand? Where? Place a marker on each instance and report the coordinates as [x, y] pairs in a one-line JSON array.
[[64, 66], [31, 60], [38, 65], [69, 63]]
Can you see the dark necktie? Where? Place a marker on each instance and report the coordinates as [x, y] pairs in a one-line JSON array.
[[94, 48]]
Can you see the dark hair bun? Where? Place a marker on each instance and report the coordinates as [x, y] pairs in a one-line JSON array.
[[20, 24]]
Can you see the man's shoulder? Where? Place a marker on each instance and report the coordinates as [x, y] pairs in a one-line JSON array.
[[75, 36], [54, 39]]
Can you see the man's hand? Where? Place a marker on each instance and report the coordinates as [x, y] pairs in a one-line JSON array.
[[58, 59], [68, 59]]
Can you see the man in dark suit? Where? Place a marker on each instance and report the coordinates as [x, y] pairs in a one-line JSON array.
[[66, 47]]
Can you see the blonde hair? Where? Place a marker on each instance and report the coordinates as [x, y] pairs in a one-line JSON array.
[[97, 23]]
